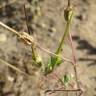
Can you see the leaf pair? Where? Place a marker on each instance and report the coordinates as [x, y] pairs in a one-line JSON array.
[[52, 63], [66, 79]]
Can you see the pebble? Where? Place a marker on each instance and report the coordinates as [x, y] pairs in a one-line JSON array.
[[11, 79], [3, 38]]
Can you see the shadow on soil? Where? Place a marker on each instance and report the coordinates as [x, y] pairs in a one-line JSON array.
[[90, 50]]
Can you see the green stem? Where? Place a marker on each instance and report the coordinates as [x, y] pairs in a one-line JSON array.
[[65, 34], [33, 53]]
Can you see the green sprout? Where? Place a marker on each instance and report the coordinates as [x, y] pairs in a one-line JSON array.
[[66, 79], [36, 57], [55, 61]]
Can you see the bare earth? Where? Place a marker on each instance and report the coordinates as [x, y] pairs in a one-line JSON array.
[[15, 52]]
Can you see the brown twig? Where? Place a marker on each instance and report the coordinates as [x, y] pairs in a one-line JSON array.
[[26, 19], [14, 68], [73, 90], [64, 90], [74, 59], [81, 92], [27, 24], [68, 3], [47, 51], [9, 29], [29, 40]]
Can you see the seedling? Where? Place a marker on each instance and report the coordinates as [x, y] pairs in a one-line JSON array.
[[55, 61], [66, 79]]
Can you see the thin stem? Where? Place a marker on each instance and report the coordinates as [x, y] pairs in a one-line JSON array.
[[27, 24], [74, 59], [14, 68], [68, 2], [73, 49], [67, 91], [49, 52], [33, 53], [9, 29], [26, 18], [36, 43], [73, 90], [65, 34]]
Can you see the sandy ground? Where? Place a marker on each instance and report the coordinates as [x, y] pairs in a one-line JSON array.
[[18, 54]]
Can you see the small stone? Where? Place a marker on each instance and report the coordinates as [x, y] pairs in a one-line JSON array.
[[11, 79], [43, 25], [3, 38]]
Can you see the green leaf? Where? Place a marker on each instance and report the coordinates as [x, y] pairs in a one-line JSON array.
[[66, 79], [39, 60], [52, 63]]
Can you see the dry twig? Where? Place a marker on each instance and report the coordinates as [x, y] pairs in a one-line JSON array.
[[30, 40], [15, 68]]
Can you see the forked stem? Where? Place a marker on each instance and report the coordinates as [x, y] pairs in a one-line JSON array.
[[74, 60]]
